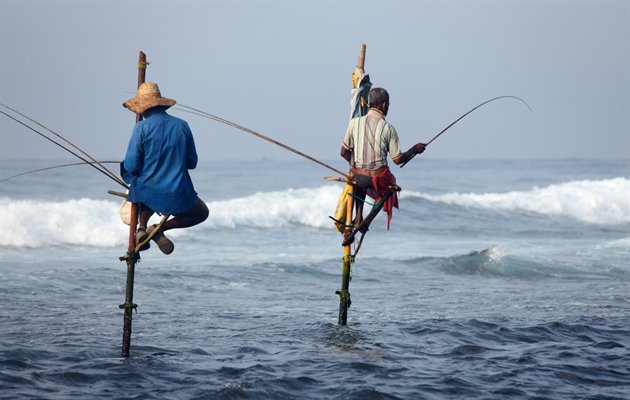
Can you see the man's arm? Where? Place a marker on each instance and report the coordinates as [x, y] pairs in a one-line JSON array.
[[348, 142], [191, 150], [418, 148], [132, 164], [346, 154]]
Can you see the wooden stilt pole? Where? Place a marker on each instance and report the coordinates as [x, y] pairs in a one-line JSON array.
[[361, 62], [346, 265], [132, 256], [348, 259]]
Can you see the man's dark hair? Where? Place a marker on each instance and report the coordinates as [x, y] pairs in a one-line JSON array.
[[377, 96]]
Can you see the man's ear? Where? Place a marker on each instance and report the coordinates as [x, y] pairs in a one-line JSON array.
[[384, 107]]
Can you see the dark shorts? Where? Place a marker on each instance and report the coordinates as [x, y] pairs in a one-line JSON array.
[[363, 181]]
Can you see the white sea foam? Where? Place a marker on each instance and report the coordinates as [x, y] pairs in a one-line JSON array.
[[97, 223], [597, 202], [74, 222], [623, 243], [308, 207]]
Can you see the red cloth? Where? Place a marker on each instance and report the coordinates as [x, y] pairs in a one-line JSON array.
[[381, 183]]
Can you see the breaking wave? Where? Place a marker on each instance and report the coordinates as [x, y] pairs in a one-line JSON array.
[[307, 207], [595, 202], [90, 222], [494, 262]]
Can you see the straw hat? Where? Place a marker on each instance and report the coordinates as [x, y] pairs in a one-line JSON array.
[[148, 96]]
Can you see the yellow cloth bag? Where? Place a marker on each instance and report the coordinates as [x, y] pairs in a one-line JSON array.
[[342, 210]]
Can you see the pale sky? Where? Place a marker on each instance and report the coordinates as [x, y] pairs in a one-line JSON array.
[[283, 68]]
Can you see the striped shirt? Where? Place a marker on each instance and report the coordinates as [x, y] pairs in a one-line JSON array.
[[370, 138]]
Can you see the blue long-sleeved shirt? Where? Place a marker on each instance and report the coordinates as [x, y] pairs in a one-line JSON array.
[[159, 155]]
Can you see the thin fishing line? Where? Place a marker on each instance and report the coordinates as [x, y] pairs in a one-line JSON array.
[[100, 167], [113, 177], [54, 167], [195, 111], [95, 164]]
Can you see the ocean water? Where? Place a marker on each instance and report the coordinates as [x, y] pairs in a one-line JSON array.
[[498, 279]]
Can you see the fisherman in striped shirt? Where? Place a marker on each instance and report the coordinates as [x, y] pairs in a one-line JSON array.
[[367, 142]]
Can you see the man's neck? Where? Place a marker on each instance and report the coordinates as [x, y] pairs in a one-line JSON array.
[[379, 111], [154, 110]]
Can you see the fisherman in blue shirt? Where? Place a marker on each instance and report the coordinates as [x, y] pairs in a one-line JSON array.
[[159, 155]]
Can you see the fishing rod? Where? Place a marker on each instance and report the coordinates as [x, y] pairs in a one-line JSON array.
[[92, 162], [54, 167], [471, 110], [204, 114]]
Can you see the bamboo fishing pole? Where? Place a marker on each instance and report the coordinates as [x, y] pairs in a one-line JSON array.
[[132, 256], [464, 115]]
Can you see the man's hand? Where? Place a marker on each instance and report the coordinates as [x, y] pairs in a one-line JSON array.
[[419, 148], [404, 158]]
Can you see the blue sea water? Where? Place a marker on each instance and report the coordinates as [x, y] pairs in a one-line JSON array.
[[498, 279]]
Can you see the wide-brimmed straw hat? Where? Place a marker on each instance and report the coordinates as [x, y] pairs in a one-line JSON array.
[[148, 96]]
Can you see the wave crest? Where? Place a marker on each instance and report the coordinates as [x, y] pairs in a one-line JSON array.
[[87, 222], [596, 202], [29, 223], [494, 262], [307, 207], [97, 223]]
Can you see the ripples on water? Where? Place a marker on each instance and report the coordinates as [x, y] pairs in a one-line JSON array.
[[460, 300], [268, 331]]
